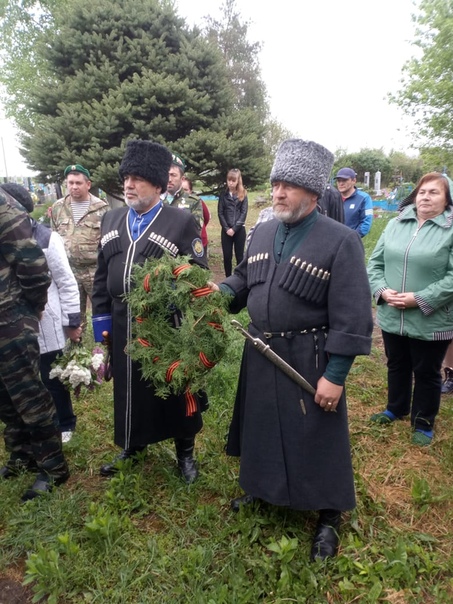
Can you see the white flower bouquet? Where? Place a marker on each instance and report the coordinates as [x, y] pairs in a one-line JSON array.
[[78, 368]]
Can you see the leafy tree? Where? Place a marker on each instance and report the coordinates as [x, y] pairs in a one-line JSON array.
[[275, 134], [405, 168], [427, 85], [230, 34], [436, 159], [121, 69], [366, 160], [22, 24]]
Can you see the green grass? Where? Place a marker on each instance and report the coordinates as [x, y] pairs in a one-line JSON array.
[[145, 537]]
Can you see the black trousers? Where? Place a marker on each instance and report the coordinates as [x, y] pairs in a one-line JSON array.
[[414, 377], [238, 242]]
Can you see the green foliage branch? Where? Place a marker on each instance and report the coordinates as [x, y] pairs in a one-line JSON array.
[[426, 93]]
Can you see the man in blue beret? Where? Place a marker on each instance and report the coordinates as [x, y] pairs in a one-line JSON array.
[[77, 218]]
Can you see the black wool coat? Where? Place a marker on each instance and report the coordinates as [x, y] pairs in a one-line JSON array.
[[141, 417], [288, 458]]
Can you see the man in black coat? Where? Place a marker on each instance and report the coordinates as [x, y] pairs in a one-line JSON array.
[[296, 283], [146, 228]]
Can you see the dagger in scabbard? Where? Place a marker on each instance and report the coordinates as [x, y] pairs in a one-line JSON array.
[[107, 341], [277, 360]]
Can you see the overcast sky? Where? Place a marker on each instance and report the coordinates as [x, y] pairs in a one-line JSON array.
[[328, 67]]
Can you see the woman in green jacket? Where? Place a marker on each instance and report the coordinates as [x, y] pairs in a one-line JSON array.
[[411, 278]]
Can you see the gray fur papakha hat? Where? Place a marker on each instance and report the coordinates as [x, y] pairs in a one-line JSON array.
[[303, 163], [149, 160]]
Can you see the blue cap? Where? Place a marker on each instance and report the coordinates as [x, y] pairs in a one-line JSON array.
[[346, 173]]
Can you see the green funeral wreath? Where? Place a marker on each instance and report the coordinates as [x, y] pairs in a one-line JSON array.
[[179, 325]]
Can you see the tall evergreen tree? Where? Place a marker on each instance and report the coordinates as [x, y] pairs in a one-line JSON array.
[[121, 69], [231, 35]]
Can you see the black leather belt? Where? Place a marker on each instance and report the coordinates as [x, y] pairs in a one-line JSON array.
[[292, 334]]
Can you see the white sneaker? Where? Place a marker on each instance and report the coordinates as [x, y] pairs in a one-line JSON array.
[[66, 436]]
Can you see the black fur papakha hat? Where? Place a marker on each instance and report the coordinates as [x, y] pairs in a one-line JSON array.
[[303, 163], [149, 160]]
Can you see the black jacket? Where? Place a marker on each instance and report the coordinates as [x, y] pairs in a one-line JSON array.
[[232, 212], [331, 204]]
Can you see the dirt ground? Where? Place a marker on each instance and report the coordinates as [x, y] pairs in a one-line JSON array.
[[13, 592]]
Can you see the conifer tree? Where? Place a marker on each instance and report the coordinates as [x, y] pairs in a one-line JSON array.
[[120, 69]]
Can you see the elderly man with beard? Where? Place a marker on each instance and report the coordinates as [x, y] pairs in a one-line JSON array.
[[146, 228], [296, 283]]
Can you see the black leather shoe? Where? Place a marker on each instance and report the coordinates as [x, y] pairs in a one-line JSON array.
[[42, 485], [325, 541], [237, 503], [110, 469]]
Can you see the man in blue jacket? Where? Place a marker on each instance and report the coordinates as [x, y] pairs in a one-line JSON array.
[[358, 206]]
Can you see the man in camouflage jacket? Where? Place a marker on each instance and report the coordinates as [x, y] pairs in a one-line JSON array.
[[177, 197], [32, 437], [77, 218]]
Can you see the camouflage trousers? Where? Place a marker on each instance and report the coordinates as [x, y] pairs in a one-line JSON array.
[[84, 276], [31, 432]]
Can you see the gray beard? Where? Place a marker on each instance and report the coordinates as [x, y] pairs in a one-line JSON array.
[[292, 216], [141, 205]]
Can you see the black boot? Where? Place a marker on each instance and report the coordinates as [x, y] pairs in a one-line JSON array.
[[186, 462], [325, 541], [109, 469], [237, 503]]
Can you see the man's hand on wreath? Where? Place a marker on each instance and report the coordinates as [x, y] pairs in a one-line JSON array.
[[213, 286]]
